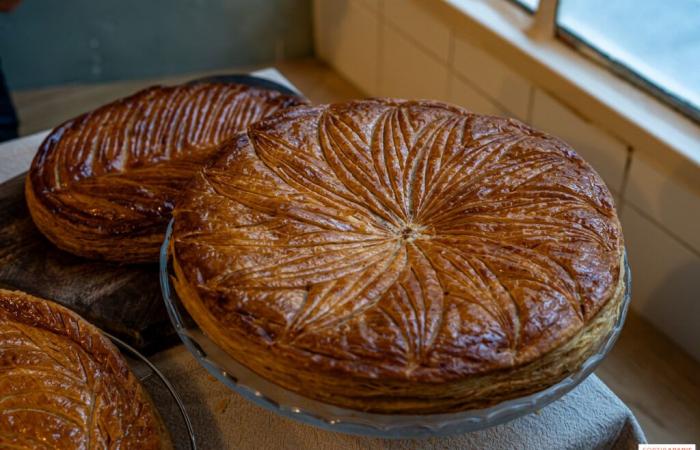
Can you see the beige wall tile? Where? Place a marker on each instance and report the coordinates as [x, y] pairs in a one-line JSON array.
[[665, 280], [465, 95], [606, 154], [409, 72], [494, 78], [374, 5], [667, 198], [415, 19], [347, 37]]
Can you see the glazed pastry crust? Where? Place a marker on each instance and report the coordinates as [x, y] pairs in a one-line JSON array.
[[400, 256], [65, 386], [103, 185]]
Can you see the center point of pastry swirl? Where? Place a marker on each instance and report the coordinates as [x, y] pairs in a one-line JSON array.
[[411, 233]]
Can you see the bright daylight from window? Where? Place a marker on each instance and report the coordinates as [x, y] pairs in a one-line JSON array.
[[659, 40], [529, 4]]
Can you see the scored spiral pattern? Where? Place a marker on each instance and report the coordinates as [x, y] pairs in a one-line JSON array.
[[64, 386], [115, 173], [396, 239]]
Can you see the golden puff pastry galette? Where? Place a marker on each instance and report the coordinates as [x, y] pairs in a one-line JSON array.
[[405, 257], [103, 185], [63, 384]]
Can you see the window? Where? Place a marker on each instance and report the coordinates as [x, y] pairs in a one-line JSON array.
[[529, 5], [654, 44]]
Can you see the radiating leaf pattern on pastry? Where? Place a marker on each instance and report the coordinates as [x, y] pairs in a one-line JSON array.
[[56, 395], [118, 169], [137, 152], [412, 232]]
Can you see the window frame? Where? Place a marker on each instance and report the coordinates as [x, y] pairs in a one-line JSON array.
[[523, 6], [545, 25]]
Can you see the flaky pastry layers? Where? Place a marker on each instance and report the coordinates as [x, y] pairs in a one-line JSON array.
[[400, 256], [63, 385], [102, 185]]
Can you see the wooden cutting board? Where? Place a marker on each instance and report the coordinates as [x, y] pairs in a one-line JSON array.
[[124, 300]]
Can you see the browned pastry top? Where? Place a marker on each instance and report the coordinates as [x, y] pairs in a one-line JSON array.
[[63, 385], [117, 170], [397, 240]]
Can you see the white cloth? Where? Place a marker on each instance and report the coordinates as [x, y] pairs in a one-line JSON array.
[[589, 417]]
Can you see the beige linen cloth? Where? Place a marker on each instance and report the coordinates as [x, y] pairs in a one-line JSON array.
[[589, 417]]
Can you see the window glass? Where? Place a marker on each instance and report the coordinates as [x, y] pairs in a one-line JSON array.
[[657, 40], [530, 5]]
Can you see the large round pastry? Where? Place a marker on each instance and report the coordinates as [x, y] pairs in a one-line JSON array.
[[63, 385], [400, 256], [103, 185]]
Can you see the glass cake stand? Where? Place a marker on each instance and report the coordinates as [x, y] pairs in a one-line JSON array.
[[164, 396], [289, 404]]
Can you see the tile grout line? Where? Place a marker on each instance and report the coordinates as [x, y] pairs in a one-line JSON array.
[[450, 63], [531, 103], [414, 41], [584, 118], [626, 174], [663, 228], [379, 76], [479, 91]]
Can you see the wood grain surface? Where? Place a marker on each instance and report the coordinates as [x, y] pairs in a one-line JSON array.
[[124, 300]]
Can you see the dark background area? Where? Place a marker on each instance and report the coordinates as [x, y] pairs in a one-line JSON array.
[[52, 42]]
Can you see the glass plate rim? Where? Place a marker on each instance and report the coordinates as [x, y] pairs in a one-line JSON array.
[[368, 424], [131, 351]]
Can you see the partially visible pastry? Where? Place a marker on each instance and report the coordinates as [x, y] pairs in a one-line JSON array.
[[403, 257], [63, 385], [103, 185]]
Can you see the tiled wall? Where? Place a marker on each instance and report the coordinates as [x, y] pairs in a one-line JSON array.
[[401, 48]]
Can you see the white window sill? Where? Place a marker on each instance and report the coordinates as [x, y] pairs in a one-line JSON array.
[[612, 103]]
